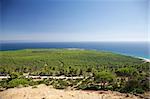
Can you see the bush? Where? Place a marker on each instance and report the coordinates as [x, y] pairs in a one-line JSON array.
[[83, 87], [47, 82], [32, 83], [60, 84], [109, 87], [16, 82], [138, 90], [4, 83], [133, 86], [14, 75]]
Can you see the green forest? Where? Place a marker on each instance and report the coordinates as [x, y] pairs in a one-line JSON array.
[[101, 70]]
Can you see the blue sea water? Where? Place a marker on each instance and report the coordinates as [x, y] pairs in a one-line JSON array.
[[137, 49]]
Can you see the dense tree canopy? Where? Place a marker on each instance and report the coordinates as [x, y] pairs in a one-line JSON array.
[[104, 67]]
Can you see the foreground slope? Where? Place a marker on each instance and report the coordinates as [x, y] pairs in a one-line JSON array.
[[46, 92]]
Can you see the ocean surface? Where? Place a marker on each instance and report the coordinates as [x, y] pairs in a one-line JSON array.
[[137, 49]]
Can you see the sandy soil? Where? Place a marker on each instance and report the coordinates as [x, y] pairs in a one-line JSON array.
[[47, 92]]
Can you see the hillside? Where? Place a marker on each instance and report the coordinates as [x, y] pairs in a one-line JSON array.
[[35, 59], [101, 70]]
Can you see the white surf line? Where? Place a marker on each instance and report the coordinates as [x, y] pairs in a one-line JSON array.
[[145, 59]]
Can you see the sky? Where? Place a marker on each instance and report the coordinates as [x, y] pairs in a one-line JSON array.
[[74, 20]]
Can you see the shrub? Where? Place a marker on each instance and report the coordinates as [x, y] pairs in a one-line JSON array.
[[14, 75], [47, 82], [133, 86], [4, 83], [60, 84], [83, 87], [104, 77], [138, 90], [32, 83], [16, 82], [109, 87]]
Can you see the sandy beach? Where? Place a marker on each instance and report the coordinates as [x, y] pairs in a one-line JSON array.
[[47, 92]]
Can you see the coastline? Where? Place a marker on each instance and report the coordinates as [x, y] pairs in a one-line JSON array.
[[82, 49], [139, 57], [126, 48], [144, 59]]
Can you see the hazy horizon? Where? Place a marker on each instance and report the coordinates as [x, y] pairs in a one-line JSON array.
[[34, 41]]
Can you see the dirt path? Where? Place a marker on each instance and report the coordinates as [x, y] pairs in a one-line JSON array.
[[47, 92]]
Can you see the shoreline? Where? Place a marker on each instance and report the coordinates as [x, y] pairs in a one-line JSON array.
[[144, 59]]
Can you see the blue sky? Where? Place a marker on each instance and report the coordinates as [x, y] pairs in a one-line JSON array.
[[74, 20]]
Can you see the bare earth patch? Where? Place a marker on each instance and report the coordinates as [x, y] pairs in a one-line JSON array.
[[47, 92]]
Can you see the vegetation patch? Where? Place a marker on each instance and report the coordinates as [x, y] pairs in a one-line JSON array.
[[101, 70]]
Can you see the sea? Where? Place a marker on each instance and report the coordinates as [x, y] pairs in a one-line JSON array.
[[136, 49]]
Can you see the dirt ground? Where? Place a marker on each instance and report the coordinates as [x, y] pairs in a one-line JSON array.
[[47, 92]]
